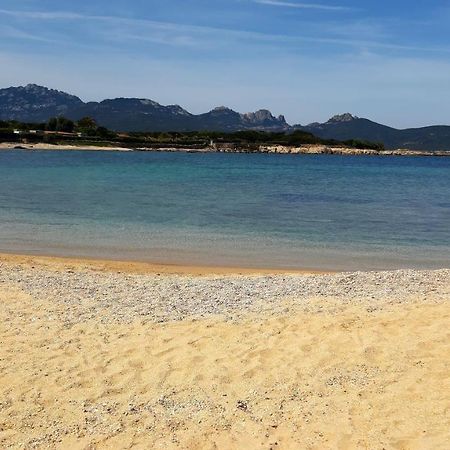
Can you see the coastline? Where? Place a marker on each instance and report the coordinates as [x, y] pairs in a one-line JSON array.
[[144, 267], [60, 147], [104, 354], [93, 357], [263, 149]]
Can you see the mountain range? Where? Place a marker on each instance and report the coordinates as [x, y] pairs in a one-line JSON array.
[[347, 126], [33, 103]]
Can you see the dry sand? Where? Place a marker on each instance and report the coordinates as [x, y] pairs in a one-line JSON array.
[[91, 358], [44, 146]]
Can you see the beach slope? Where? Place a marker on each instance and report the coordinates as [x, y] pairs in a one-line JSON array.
[[96, 358]]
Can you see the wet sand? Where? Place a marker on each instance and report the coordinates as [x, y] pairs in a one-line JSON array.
[[143, 267]]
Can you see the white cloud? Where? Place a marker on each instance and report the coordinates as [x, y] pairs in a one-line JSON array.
[[359, 66], [8, 31], [37, 15], [379, 88], [318, 6], [182, 35]]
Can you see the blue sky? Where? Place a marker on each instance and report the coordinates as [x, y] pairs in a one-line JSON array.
[[385, 60]]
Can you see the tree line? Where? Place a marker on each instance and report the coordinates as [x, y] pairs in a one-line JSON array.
[[87, 127]]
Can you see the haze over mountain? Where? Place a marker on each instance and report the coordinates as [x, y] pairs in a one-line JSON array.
[[33, 103]]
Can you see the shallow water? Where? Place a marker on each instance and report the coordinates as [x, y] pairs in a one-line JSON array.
[[278, 211]]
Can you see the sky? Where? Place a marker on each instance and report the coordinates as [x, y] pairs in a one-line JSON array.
[[385, 60]]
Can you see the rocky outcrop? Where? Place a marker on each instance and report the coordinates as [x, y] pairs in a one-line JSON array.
[[340, 118], [331, 150], [264, 118]]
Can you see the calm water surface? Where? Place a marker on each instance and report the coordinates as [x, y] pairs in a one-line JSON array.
[[286, 211]]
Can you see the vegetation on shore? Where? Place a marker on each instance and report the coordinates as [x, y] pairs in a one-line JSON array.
[[85, 131]]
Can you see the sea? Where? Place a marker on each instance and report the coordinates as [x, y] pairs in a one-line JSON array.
[[324, 212]]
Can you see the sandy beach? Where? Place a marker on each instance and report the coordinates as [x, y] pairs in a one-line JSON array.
[[45, 146], [122, 355]]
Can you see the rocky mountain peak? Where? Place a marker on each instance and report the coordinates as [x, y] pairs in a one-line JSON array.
[[147, 102], [35, 87], [262, 116], [258, 116], [42, 91], [221, 109], [339, 118], [34, 103], [177, 109]]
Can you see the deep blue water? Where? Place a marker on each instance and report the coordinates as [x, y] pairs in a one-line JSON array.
[[315, 211]]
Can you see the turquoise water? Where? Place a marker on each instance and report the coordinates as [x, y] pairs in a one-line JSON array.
[[279, 211]]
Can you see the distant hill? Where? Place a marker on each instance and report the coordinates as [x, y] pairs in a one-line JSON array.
[[33, 103], [346, 126]]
